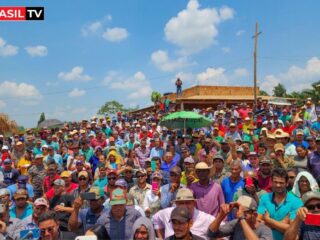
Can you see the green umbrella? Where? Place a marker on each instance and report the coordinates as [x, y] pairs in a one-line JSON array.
[[185, 119]]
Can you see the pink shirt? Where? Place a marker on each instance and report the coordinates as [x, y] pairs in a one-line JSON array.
[[209, 198]]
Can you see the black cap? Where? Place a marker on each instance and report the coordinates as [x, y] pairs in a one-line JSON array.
[[182, 214]]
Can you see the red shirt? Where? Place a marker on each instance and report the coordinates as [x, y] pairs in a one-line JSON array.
[[96, 142], [289, 129], [265, 183], [50, 193], [243, 113], [46, 183]]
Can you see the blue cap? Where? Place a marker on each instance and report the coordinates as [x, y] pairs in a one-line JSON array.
[[8, 160], [22, 179]]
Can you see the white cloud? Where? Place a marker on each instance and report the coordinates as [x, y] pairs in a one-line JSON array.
[[77, 92], [240, 32], [91, 28], [240, 72], [26, 93], [219, 77], [162, 61], [226, 49], [115, 34], [137, 85], [95, 27], [69, 113], [7, 49], [76, 74], [37, 51], [296, 78], [108, 17], [213, 76], [195, 29], [226, 13]]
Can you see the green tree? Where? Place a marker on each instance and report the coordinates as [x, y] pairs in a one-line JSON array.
[[113, 107], [263, 93], [155, 96], [41, 118], [313, 93], [279, 91]]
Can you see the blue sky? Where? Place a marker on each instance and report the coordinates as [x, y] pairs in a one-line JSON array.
[[88, 52]]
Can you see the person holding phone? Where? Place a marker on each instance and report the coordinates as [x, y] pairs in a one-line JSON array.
[[251, 187], [151, 203], [169, 191], [87, 217], [307, 222]]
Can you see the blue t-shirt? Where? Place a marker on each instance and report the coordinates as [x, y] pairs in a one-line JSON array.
[[229, 188], [278, 212]]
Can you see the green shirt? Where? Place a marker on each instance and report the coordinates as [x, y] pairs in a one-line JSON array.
[[218, 139], [88, 153]]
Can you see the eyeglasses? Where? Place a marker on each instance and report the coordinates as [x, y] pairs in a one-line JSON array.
[[140, 176], [291, 177], [82, 179], [111, 178], [313, 207], [44, 230]]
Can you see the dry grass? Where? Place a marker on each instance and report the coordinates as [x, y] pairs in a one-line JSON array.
[[7, 125]]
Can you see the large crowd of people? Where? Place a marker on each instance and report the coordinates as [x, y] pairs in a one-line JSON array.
[[252, 174]]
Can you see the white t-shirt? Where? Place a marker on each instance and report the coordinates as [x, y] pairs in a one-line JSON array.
[[201, 222]]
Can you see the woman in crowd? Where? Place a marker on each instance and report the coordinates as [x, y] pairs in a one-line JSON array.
[[301, 160], [143, 229], [304, 182]]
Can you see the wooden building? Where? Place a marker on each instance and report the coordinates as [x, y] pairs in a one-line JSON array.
[[211, 96]]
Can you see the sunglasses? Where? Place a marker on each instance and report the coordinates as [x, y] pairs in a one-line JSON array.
[[173, 175], [313, 207], [20, 199], [44, 230], [112, 178], [140, 176], [82, 179], [291, 177]]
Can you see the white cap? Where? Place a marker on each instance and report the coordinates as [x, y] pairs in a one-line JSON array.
[[44, 146], [5, 147]]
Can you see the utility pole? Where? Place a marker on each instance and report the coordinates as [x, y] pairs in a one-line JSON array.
[[257, 33]]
